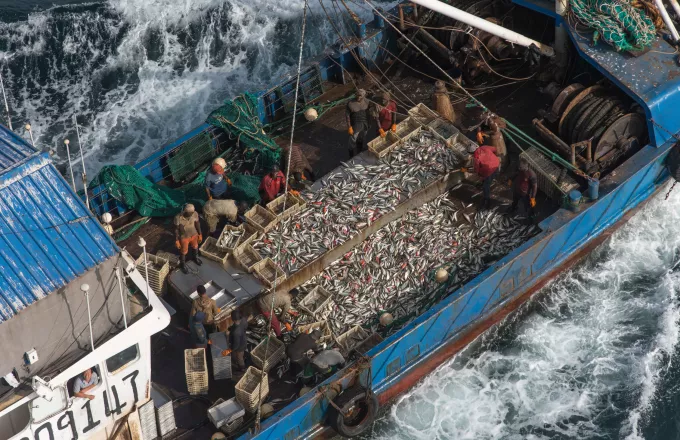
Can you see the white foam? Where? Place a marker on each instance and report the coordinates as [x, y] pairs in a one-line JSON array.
[[589, 358]]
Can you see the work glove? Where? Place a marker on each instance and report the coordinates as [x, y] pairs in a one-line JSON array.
[[226, 352], [200, 238], [178, 245], [288, 326], [509, 182], [295, 193], [350, 130], [209, 342], [209, 197], [382, 132], [228, 181], [394, 128], [464, 170], [480, 138], [532, 202]]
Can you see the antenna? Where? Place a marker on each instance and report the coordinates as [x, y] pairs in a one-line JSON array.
[[70, 165], [85, 288], [28, 129], [120, 288], [4, 96], [82, 160]]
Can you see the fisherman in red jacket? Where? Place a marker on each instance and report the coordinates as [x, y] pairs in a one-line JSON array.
[[386, 115], [486, 165], [272, 185]]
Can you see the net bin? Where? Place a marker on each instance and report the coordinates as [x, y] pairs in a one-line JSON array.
[[221, 363], [196, 371], [248, 389], [275, 352]]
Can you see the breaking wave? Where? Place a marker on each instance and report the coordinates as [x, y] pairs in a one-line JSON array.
[[140, 73], [585, 362]]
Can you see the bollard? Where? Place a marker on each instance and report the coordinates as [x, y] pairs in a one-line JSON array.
[[593, 189]]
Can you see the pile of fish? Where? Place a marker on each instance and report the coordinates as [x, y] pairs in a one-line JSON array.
[[392, 269], [230, 238], [353, 198]]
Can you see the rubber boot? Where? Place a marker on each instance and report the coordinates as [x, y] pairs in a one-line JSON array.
[[183, 264], [197, 260]]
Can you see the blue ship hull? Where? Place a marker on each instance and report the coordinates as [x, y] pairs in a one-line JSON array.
[[397, 363]]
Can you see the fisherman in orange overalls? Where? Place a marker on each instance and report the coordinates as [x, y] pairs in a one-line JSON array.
[[188, 234]]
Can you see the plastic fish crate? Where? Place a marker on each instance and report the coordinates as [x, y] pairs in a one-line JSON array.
[[228, 239], [276, 352], [381, 147], [260, 218], [226, 415], [250, 233], [209, 249], [351, 339], [147, 420], [322, 326], [276, 206], [548, 174], [444, 129], [248, 389], [159, 268], [316, 301], [221, 363], [196, 371], [173, 259], [165, 411], [269, 272], [370, 342], [300, 201], [405, 127], [247, 257], [422, 114]]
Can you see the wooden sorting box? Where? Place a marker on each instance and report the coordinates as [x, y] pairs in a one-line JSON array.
[[248, 389], [209, 249], [316, 301], [247, 257], [381, 147], [158, 268], [322, 326], [422, 114], [260, 218], [269, 272], [196, 371], [250, 233], [230, 238], [275, 353], [351, 339], [276, 206]]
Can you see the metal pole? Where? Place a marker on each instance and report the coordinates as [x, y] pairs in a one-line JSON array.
[[70, 165], [82, 160], [142, 243], [122, 296], [86, 289], [485, 25], [30, 132], [9, 117], [667, 20]]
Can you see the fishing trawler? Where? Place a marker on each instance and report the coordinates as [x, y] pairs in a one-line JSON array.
[[597, 126]]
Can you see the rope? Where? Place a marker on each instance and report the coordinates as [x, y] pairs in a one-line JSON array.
[[285, 199]]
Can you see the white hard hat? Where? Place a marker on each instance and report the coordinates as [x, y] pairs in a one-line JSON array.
[[218, 436], [221, 162], [441, 275], [311, 114], [106, 218]]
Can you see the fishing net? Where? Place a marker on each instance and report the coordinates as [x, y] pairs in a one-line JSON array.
[[240, 120], [127, 185], [617, 22]]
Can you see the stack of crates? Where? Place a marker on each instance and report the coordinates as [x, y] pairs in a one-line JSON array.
[[165, 412], [316, 301], [221, 363], [147, 420], [196, 371], [158, 269], [227, 416], [248, 390], [275, 352], [551, 178]]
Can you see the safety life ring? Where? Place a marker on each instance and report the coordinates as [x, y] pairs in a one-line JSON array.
[[358, 408]]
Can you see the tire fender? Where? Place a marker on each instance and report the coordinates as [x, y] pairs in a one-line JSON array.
[[359, 408]]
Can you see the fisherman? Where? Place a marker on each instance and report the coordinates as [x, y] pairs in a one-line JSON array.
[[300, 169], [188, 234], [204, 304], [328, 361], [85, 382], [495, 138], [242, 209], [273, 184], [386, 116], [442, 103], [356, 115], [303, 348], [277, 300], [216, 208], [198, 334], [485, 163], [237, 340], [524, 188], [216, 182]]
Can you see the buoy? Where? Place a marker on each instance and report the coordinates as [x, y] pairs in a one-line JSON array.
[[311, 114], [106, 218], [218, 436], [386, 319], [304, 391], [441, 275], [266, 410]]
